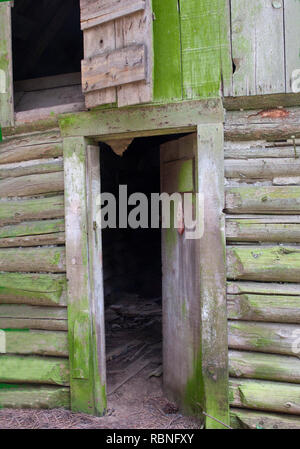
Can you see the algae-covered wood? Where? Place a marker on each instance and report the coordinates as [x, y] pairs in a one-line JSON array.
[[34, 370], [15, 150], [35, 397], [271, 200], [34, 342], [43, 259], [253, 365], [32, 185], [269, 308], [6, 76], [34, 289], [279, 397], [33, 233], [263, 337], [16, 211], [264, 263], [248, 419], [262, 230], [235, 288], [32, 167]]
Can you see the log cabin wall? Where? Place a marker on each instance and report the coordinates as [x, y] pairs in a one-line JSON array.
[[34, 365], [263, 269]]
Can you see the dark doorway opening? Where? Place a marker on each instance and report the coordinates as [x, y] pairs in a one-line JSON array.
[[47, 52]]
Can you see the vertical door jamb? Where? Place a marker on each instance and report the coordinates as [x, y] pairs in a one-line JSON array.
[[213, 275]]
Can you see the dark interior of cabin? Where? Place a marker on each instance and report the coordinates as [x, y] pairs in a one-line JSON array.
[[132, 266], [47, 43]]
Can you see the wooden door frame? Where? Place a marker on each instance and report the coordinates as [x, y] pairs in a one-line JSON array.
[[80, 132]]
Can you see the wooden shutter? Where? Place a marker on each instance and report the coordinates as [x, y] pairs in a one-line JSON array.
[[117, 65]]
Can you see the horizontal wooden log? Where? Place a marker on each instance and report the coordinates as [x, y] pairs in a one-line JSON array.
[[263, 337], [254, 365], [95, 14], [268, 308], [34, 370], [256, 230], [25, 311], [33, 209], [250, 125], [32, 185], [264, 263], [265, 395], [261, 168], [286, 181], [34, 397], [246, 419], [270, 200], [33, 323], [235, 288], [39, 166], [45, 259], [29, 342], [260, 150], [34, 233], [34, 289]]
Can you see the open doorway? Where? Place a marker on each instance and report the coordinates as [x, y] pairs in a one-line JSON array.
[[47, 52], [150, 281]]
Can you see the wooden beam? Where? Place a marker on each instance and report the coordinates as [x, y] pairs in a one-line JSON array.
[[248, 419], [34, 370], [85, 396], [35, 397], [42, 259], [32, 185], [143, 121], [36, 342], [212, 276], [34, 289]]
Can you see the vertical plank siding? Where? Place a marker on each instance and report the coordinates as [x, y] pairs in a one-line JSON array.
[[33, 304], [6, 80], [263, 290]]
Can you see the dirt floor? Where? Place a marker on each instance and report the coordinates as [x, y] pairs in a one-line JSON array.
[[134, 378]]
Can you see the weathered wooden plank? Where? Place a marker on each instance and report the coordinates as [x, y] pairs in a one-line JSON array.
[[45, 259], [205, 47], [21, 136], [272, 200], [132, 30], [84, 394], [32, 185], [29, 342], [259, 263], [178, 176], [213, 287], [272, 308], [292, 40], [35, 397], [30, 168], [257, 47], [106, 35], [276, 124], [236, 288], [33, 323], [11, 154], [146, 120], [33, 233], [114, 68], [34, 289], [167, 82], [98, 13], [96, 277], [253, 365], [6, 71], [263, 337], [261, 230], [246, 419], [35, 370], [265, 395], [12, 211], [261, 168], [261, 150], [28, 311]]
